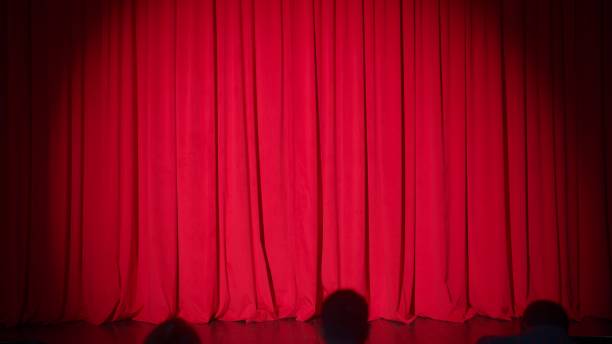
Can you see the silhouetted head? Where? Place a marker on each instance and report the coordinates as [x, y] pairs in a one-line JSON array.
[[175, 330], [345, 318], [544, 313]]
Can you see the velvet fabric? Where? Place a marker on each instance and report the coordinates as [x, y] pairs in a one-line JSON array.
[[242, 159]]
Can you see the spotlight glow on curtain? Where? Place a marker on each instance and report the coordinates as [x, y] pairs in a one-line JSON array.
[[241, 159]]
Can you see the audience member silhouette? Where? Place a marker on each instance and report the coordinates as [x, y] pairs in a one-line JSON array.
[[542, 322], [173, 331], [544, 313], [345, 318]]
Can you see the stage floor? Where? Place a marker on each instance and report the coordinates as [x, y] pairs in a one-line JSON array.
[[290, 331]]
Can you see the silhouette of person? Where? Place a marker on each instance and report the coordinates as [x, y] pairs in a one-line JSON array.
[[175, 331], [542, 322], [345, 318]]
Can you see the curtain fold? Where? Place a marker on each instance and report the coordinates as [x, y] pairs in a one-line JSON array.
[[242, 159]]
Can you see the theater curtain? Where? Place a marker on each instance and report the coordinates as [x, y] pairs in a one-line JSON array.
[[242, 159]]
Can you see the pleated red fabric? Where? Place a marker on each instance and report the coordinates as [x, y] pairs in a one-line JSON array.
[[242, 159]]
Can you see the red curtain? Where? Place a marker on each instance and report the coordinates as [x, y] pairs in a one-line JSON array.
[[241, 159]]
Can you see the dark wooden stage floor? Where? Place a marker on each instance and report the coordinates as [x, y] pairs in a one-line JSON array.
[[290, 331]]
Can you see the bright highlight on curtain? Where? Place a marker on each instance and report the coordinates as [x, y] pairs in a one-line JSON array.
[[242, 159]]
